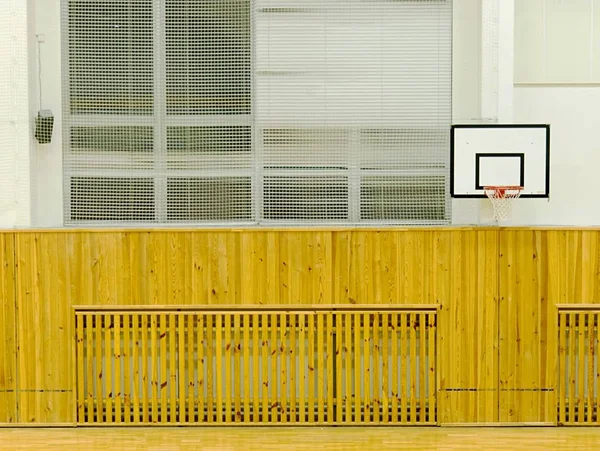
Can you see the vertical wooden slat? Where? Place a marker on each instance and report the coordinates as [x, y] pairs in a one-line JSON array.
[[358, 376], [273, 383], [404, 370], [219, 368], [247, 376], [596, 337], [172, 357], [108, 370], [228, 351], [117, 360], [339, 375], [100, 382], [320, 369], [237, 366], [330, 352], [209, 334], [366, 330], [162, 379], [348, 358], [192, 363], [80, 319], [135, 319], [310, 373], [92, 393], [432, 369], [385, 331], [413, 368], [265, 367], [301, 368], [376, 362], [562, 380], [395, 334], [203, 331], [293, 380], [422, 367], [283, 354], [181, 356], [145, 376], [154, 348], [255, 368], [127, 367], [572, 358], [590, 369], [581, 369]]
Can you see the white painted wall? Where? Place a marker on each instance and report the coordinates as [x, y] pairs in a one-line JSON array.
[[15, 131]]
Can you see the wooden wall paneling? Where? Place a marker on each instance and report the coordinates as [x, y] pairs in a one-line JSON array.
[[8, 331], [528, 342], [466, 270]]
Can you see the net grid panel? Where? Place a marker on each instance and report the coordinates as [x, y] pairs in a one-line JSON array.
[[256, 111]]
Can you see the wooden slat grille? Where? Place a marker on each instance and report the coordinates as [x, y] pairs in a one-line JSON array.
[[273, 367], [579, 373]]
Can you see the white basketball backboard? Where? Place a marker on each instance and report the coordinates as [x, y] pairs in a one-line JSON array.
[[500, 155]]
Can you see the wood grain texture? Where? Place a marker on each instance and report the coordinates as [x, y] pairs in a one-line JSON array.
[[497, 288], [8, 331]]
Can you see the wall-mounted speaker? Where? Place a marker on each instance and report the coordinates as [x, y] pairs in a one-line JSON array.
[[44, 124]]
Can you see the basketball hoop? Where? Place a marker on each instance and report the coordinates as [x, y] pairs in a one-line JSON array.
[[502, 198]]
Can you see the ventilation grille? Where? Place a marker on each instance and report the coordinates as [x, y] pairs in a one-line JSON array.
[[311, 112], [579, 373], [313, 367]]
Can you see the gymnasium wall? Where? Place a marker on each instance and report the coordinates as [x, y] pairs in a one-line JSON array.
[[497, 290]]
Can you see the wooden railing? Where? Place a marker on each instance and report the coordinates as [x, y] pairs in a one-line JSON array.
[[264, 366], [579, 373]]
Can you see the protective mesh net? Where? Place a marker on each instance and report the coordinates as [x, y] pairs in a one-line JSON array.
[[257, 111]]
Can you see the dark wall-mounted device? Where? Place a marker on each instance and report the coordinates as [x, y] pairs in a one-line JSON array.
[[44, 124]]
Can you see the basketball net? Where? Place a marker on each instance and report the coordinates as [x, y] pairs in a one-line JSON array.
[[502, 198]]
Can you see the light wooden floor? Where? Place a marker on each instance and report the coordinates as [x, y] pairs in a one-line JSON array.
[[276, 438]]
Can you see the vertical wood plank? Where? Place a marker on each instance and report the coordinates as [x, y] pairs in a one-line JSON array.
[[330, 352], [422, 367], [301, 368], [589, 405], [172, 360], [293, 321], [192, 381], [136, 340], [274, 383], [265, 367], [228, 351], [321, 370], [255, 368], [203, 331], [432, 368], [80, 319], [358, 375], [108, 369], [117, 359], [385, 331], [562, 381], [219, 368], [376, 362], [572, 360], [413, 368], [163, 400], [92, 393], [366, 330], [146, 381], [237, 366], [127, 368], [310, 370], [209, 336], [340, 369], [348, 359], [247, 375], [182, 399], [283, 351], [155, 365], [581, 369], [395, 389]]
